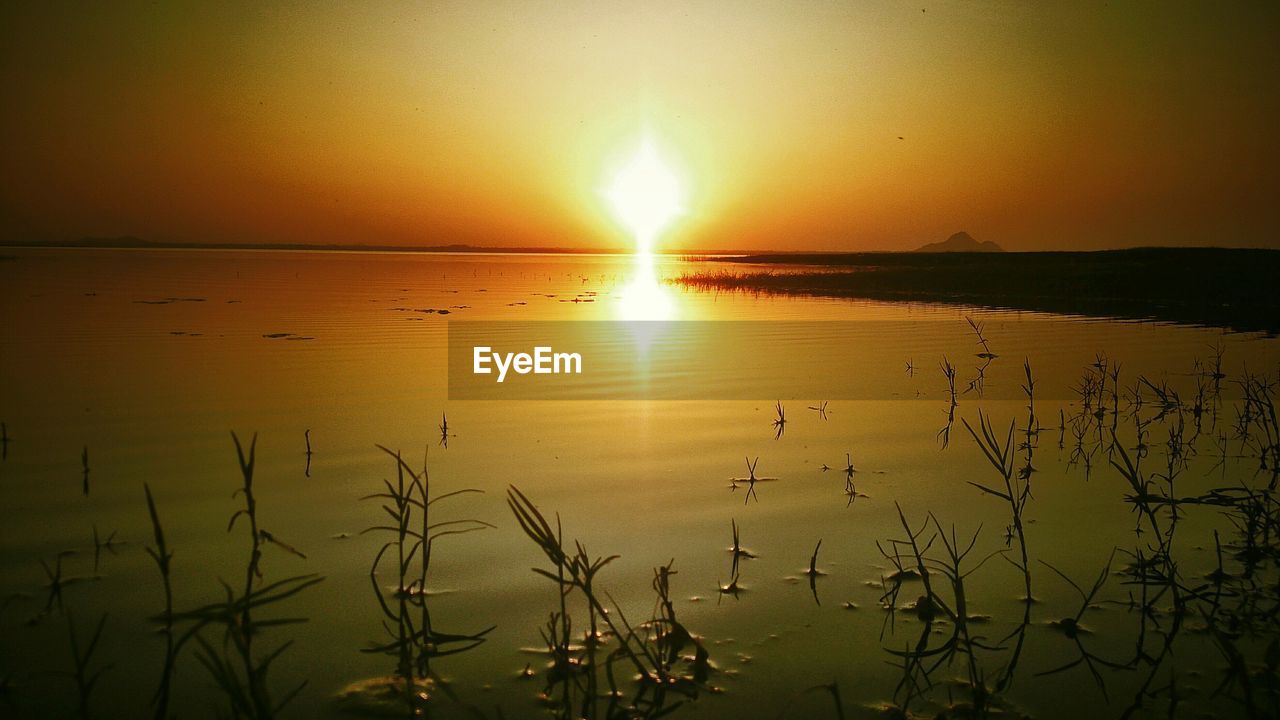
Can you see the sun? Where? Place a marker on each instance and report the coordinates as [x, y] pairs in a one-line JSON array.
[[646, 196]]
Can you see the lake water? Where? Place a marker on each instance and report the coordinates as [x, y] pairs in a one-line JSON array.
[[139, 364]]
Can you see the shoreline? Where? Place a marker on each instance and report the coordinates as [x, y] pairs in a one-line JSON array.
[[1216, 287]]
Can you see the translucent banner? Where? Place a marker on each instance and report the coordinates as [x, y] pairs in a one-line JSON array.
[[835, 360]]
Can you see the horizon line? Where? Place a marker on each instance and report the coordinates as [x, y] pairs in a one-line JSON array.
[[127, 242]]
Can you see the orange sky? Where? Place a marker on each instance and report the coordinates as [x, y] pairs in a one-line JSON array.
[[1070, 126]]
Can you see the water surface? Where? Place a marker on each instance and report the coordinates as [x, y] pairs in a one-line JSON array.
[[147, 360]]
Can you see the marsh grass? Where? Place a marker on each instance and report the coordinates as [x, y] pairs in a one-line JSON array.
[[1143, 432], [306, 436], [653, 654], [737, 554], [949, 373], [978, 384], [1015, 491], [83, 674], [943, 602], [1072, 628], [813, 573], [109, 543], [850, 489], [1226, 600], [235, 664], [444, 431], [750, 481], [163, 558], [55, 584], [412, 639]]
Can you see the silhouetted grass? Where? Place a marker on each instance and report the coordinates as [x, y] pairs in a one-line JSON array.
[[651, 655], [85, 678], [163, 558], [412, 638], [1203, 286], [237, 669]]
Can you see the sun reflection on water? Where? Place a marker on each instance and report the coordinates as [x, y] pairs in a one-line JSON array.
[[645, 297]]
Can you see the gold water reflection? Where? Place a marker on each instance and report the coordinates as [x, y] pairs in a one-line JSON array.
[[646, 297]]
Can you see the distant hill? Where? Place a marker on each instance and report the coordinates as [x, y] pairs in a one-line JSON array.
[[960, 242]]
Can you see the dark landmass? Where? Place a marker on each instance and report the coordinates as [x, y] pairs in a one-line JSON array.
[[128, 242], [1219, 287], [961, 242]]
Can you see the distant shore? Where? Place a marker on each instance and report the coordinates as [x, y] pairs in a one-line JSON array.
[[1232, 288], [1219, 287], [132, 243]]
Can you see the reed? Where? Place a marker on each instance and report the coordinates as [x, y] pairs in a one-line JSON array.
[[413, 639], [99, 544], [237, 669], [444, 431], [55, 585], [576, 571], [1071, 627], [306, 436], [82, 674], [949, 372], [750, 480], [820, 408], [978, 384], [944, 601], [163, 558], [652, 649], [1015, 491]]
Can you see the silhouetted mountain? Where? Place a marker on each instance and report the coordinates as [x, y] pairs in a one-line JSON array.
[[961, 242]]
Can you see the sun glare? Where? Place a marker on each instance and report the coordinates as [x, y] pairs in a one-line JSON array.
[[645, 196]]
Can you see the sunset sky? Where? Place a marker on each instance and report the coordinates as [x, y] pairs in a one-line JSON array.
[[1036, 125]]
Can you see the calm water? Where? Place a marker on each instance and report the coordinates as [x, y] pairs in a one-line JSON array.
[[147, 359]]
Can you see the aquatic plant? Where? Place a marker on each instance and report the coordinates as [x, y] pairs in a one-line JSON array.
[[85, 678], [163, 558], [652, 655], [239, 672], [412, 638]]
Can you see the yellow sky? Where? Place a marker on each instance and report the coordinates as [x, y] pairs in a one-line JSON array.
[[1080, 126]]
